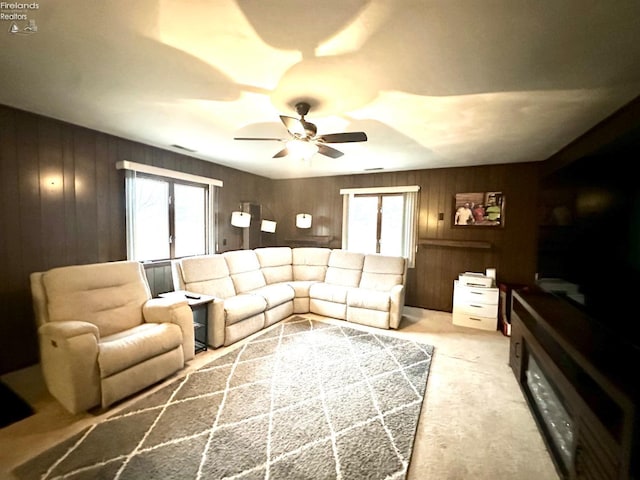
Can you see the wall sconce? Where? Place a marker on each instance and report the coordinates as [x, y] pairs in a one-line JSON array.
[[268, 226], [240, 219], [303, 220]]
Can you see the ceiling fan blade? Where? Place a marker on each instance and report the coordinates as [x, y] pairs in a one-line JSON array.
[[294, 125], [343, 137], [282, 153], [329, 151], [259, 138]]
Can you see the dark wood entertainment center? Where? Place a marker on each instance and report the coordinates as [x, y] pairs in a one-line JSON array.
[[581, 384]]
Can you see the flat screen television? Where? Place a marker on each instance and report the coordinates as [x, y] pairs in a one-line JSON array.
[[589, 237]]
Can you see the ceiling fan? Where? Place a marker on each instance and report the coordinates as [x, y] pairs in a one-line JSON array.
[[305, 140]]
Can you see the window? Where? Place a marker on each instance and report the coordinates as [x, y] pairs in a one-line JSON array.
[[380, 220], [169, 214], [150, 214], [190, 209]]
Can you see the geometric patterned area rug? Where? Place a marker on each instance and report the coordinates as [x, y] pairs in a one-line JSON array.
[[306, 399]]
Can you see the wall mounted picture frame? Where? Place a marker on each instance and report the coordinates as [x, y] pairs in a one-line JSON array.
[[479, 209]]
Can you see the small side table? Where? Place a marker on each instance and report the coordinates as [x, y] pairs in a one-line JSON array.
[[199, 304]]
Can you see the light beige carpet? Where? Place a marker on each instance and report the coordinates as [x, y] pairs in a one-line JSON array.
[[474, 422]]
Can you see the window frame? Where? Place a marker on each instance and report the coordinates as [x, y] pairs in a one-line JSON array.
[[410, 217], [135, 170]]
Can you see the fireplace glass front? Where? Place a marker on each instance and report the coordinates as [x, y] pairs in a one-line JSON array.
[[551, 412]]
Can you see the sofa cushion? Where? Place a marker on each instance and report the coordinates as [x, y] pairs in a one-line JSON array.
[[329, 292], [368, 299], [208, 274], [275, 294], [327, 308], [301, 288], [109, 295], [382, 272], [245, 270], [243, 306], [316, 273], [275, 263], [370, 317], [345, 268], [283, 273], [310, 263], [131, 347], [248, 281], [240, 261], [204, 267], [239, 330]]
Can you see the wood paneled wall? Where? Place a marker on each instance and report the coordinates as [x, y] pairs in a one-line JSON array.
[[430, 283], [62, 203], [159, 277]]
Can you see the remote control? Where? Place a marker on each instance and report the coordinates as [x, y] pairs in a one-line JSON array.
[[193, 297]]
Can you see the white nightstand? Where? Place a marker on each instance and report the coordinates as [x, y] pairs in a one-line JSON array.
[[475, 307]]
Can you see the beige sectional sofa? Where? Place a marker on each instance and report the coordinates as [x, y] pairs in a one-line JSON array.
[[254, 289]]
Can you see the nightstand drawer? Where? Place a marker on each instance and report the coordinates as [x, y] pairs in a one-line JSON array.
[[475, 321], [476, 295], [477, 309]]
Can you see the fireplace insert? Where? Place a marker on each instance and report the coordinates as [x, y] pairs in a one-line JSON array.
[[549, 408], [578, 385]]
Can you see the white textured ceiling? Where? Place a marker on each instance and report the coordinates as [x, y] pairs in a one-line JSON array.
[[444, 83]]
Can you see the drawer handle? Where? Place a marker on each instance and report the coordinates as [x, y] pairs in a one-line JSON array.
[[475, 306], [476, 319]]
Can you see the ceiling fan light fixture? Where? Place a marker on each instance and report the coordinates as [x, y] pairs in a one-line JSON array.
[[301, 149], [305, 141]]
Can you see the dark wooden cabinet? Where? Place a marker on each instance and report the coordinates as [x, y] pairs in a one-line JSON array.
[[581, 385], [515, 347]]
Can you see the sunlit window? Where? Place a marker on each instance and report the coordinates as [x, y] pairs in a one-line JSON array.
[[363, 224], [170, 214], [168, 218], [380, 220], [190, 220], [151, 226]]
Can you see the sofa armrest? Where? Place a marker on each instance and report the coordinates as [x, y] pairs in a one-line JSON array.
[[61, 331], [162, 310], [396, 296], [216, 323], [69, 362]]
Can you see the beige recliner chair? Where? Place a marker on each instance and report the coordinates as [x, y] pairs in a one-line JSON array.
[[102, 337]]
